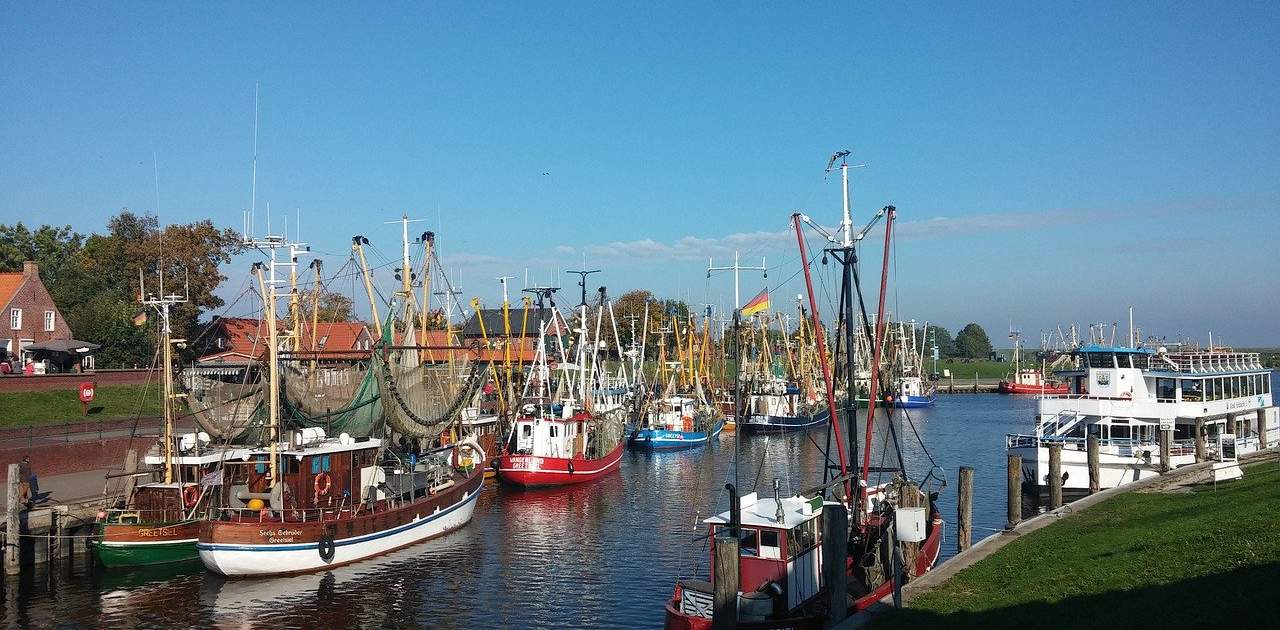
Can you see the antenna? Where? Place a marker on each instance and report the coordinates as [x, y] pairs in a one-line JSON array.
[[253, 187], [583, 281]]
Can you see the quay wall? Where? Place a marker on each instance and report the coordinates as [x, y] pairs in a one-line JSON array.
[[71, 380]]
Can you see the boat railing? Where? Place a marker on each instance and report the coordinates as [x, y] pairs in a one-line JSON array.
[[1124, 446], [1205, 362], [131, 516], [308, 515]]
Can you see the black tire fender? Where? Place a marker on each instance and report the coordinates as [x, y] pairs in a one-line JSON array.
[[327, 548]]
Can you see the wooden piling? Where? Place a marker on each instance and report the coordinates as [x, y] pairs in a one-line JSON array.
[[1166, 451], [724, 614], [55, 533], [1095, 475], [130, 467], [911, 497], [1262, 428], [835, 536], [12, 540], [1015, 490], [964, 518], [1055, 476], [1200, 446]]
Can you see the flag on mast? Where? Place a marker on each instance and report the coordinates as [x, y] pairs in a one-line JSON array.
[[757, 304]]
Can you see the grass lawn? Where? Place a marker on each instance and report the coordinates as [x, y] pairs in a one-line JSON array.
[[1197, 559], [964, 371], [56, 407]]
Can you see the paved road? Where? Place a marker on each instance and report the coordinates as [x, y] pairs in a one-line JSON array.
[[75, 487]]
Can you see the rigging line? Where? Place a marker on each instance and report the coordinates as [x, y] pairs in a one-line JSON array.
[[755, 485]]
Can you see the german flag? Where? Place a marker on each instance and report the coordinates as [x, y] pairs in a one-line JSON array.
[[757, 304]]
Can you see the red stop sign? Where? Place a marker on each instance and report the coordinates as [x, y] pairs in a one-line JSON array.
[[86, 392]]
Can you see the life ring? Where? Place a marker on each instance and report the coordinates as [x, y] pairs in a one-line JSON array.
[[326, 547], [322, 484], [191, 495]]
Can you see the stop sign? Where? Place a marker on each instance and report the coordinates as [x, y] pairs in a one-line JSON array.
[[86, 392]]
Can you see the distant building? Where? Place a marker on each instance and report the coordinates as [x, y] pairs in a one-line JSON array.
[[30, 318], [236, 344]]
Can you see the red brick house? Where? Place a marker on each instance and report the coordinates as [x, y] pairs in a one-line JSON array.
[[242, 341], [27, 313]]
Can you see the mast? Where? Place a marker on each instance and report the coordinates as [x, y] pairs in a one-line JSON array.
[[872, 399], [736, 268], [161, 304], [357, 245]]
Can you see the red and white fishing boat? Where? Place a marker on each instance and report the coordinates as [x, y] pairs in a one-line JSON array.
[[1027, 380], [570, 428]]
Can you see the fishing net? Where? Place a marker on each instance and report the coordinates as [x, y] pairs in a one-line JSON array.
[[422, 400], [337, 398], [228, 412]]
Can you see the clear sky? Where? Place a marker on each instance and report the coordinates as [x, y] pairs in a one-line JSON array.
[[1050, 163]]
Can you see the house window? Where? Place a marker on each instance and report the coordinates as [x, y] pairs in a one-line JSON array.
[[323, 340], [48, 321], [15, 319]]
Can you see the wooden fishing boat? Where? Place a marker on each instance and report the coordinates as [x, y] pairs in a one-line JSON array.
[[1030, 381], [676, 422], [341, 500]]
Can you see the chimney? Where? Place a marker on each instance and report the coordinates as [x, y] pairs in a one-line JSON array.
[[30, 268]]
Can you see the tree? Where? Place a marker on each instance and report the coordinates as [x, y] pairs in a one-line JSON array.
[[51, 247], [973, 342], [333, 307], [942, 337]]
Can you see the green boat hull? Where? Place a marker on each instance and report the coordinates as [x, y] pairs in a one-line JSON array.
[[122, 553], [134, 555]]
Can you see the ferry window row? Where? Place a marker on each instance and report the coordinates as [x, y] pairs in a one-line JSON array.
[[1224, 387]]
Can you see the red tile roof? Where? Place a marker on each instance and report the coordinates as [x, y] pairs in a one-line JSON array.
[[9, 285], [245, 338]]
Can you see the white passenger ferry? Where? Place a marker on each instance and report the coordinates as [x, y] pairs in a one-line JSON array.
[[1123, 396]]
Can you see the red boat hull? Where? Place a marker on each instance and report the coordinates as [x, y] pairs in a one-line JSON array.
[[1006, 387], [531, 471], [925, 560]]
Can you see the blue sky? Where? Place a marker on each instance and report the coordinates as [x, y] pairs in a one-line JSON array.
[[1050, 163]]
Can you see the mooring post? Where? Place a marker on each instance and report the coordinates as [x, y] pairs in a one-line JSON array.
[[1095, 475], [12, 540], [1200, 454], [1262, 429], [1166, 450], [55, 535], [835, 539], [1055, 476], [1015, 490], [964, 506], [724, 614]]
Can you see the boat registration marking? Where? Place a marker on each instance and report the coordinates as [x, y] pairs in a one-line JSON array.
[[275, 536], [156, 532]]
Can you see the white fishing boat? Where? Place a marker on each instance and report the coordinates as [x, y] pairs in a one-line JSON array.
[[1124, 396]]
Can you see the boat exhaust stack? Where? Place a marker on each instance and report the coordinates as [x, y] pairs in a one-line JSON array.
[[735, 514]]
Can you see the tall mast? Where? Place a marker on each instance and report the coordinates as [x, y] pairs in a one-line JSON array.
[[161, 304], [736, 269]]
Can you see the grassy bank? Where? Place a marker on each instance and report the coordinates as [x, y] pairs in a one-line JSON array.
[[60, 406], [1195, 559], [962, 371]]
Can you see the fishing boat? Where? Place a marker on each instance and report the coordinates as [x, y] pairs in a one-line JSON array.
[[560, 436], [157, 521], [1024, 380], [315, 501], [782, 391], [776, 406], [782, 579], [677, 422], [1129, 398]]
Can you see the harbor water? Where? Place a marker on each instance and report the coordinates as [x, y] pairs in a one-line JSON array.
[[603, 555]]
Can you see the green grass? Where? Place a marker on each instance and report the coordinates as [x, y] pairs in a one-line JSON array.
[[1176, 560], [961, 371], [59, 406]]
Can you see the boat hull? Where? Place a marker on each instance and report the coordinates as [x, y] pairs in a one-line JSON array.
[[1006, 387], [255, 549], [782, 424], [907, 402], [119, 545], [664, 440], [532, 471]]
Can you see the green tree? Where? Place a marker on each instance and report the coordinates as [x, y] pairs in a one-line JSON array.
[[946, 343], [51, 247], [973, 342]]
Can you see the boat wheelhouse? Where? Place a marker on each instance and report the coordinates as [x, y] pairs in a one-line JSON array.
[[338, 500], [677, 422], [1125, 396]]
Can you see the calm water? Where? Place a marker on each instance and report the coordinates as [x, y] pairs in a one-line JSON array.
[[602, 555]]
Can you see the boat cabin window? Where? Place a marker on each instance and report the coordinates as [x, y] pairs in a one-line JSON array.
[[555, 430], [1122, 360], [319, 464], [526, 431], [292, 465], [1094, 430], [803, 538], [1120, 431], [747, 544], [1166, 388], [770, 549], [1192, 389], [261, 466]]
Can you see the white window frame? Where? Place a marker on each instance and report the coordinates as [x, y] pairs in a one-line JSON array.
[[15, 319], [50, 321]]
